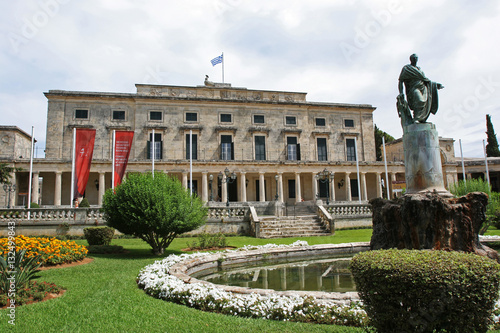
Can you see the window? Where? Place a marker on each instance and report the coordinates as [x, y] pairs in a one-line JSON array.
[[155, 115], [322, 152], [292, 149], [226, 118], [258, 119], [158, 147], [81, 114], [227, 148], [289, 120], [191, 116], [260, 148], [320, 122], [195, 146], [350, 145], [348, 123], [118, 115]]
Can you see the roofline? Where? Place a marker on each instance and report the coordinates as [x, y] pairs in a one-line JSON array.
[[15, 128]]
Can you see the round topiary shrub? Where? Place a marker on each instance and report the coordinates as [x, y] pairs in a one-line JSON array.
[[99, 235], [84, 203], [427, 291]]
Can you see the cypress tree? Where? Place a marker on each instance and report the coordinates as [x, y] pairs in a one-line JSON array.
[[378, 141], [492, 146]]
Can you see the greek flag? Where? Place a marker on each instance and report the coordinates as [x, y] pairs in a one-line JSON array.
[[216, 60]]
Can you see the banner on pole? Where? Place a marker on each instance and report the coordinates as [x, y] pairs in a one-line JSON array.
[[84, 149], [123, 144]]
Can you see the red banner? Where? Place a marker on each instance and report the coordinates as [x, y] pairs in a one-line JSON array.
[[123, 144], [84, 148]]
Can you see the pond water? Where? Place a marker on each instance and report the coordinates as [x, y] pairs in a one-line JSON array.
[[328, 275]]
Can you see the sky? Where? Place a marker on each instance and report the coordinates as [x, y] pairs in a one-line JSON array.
[[342, 51]]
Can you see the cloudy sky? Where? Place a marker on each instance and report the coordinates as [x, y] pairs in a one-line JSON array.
[[345, 51]]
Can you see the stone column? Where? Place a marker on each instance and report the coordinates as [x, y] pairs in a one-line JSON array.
[[298, 193], [102, 186], [332, 188], [13, 195], [185, 179], [223, 189], [379, 185], [57, 189], [204, 186], [364, 192], [280, 187], [243, 186], [34, 192], [262, 187], [348, 186], [314, 186]]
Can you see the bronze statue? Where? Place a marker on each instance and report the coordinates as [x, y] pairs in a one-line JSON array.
[[421, 94]]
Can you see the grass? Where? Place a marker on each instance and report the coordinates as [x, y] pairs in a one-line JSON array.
[[103, 297]]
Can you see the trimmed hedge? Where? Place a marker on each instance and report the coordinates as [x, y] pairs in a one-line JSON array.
[[99, 235], [426, 291]]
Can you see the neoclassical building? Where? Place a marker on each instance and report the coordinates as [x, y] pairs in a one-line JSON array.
[[273, 143]]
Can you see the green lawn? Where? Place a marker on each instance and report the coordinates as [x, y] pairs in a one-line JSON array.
[[103, 297]]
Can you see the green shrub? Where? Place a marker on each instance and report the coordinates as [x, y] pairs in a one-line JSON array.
[[427, 291], [207, 241], [99, 235], [33, 205], [19, 270], [105, 249], [153, 209], [84, 203]]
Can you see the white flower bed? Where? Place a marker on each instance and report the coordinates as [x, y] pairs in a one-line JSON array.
[[156, 281]]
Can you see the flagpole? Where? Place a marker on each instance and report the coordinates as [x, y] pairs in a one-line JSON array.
[[463, 166], [191, 163], [486, 164], [386, 173], [31, 170], [153, 157], [222, 67], [73, 168], [113, 165], [357, 169]]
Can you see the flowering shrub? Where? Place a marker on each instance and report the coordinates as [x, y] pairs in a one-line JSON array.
[[156, 281], [51, 250]]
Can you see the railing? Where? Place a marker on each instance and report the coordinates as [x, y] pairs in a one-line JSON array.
[[254, 222], [81, 215], [221, 213], [326, 219], [349, 210]]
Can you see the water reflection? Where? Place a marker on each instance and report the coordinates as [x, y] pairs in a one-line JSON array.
[[330, 275]]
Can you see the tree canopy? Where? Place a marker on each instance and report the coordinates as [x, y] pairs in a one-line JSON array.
[[492, 146], [153, 209], [379, 134]]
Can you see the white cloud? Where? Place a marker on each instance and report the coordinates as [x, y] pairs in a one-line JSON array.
[[109, 45]]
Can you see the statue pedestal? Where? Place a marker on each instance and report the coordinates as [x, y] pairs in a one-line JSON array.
[[423, 160]]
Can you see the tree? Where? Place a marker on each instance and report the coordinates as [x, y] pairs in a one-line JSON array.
[[6, 173], [379, 134], [153, 209], [492, 146]]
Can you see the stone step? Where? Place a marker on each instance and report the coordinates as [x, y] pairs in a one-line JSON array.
[[278, 234]]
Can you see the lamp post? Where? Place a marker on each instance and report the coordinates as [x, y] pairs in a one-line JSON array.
[[211, 178], [8, 188], [230, 177], [276, 197], [326, 177]]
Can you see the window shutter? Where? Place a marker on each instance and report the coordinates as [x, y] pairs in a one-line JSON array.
[[232, 151], [148, 150], [161, 150], [298, 151]]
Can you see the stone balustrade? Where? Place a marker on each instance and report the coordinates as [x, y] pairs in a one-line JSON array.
[[60, 215], [347, 210], [218, 213]]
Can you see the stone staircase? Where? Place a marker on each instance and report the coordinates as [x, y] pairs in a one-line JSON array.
[[291, 226]]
